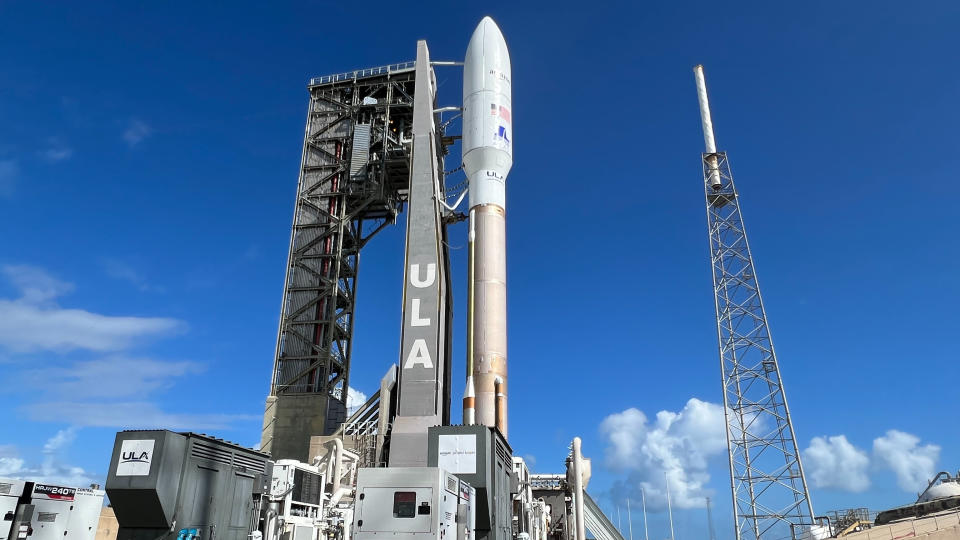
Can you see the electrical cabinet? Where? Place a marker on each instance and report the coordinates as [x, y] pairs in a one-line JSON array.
[[413, 503]]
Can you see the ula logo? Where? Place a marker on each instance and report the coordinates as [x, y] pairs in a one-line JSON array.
[[135, 457]]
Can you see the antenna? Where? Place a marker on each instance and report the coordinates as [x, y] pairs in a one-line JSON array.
[[643, 503], [713, 533], [629, 519], [770, 495], [669, 506]]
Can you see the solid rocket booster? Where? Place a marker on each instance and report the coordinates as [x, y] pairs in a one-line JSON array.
[[487, 158]]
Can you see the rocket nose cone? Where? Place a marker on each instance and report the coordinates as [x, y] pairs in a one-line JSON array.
[[487, 49], [488, 25], [486, 30]]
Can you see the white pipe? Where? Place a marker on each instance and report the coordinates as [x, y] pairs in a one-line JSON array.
[[705, 119], [337, 495], [578, 490], [335, 463], [499, 405]]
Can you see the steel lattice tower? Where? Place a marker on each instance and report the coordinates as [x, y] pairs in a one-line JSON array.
[[770, 495], [354, 177]]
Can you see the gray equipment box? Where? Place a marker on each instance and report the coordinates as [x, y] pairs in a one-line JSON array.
[[412, 503], [185, 485], [480, 456]]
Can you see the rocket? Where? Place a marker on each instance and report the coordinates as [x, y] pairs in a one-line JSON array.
[[487, 158]]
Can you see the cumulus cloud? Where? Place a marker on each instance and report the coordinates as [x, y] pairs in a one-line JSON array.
[[9, 171], [355, 400], [835, 463], [34, 321], [675, 447], [900, 452], [136, 132], [53, 469]]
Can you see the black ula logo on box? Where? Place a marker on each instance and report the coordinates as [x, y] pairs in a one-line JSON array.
[[128, 457], [135, 457]]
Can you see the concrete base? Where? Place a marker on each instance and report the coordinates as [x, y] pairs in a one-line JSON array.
[[408, 440], [291, 419]]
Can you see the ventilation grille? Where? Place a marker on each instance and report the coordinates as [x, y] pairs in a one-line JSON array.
[[452, 484], [307, 487], [250, 463], [361, 149], [47, 517], [503, 455], [210, 453]]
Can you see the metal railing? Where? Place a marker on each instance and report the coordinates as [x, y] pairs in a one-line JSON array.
[[547, 481], [912, 528], [363, 73]]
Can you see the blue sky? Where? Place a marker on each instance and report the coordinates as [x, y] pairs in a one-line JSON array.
[[148, 164]]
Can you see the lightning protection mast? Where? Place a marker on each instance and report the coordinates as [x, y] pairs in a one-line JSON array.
[[770, 496]]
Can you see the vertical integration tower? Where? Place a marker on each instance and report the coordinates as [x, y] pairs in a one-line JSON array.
[[770, 496], [354, 179]]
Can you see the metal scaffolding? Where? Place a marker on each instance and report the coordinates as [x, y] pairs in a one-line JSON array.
[[353, 182], [770, 496]]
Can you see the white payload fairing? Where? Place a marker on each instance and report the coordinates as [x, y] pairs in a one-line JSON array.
[[487, 121], [487, 158]]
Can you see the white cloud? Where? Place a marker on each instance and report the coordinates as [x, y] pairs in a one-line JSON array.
[[136, 132], [901, 453], [355, 400], [35, 322], [675, 446], [56, 151], [832, 462], [61, 440], [114, 390], [53, 469], [36, 286], [10, 463], [9, 171], [122, 271], [130, 414], [110, 377]]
